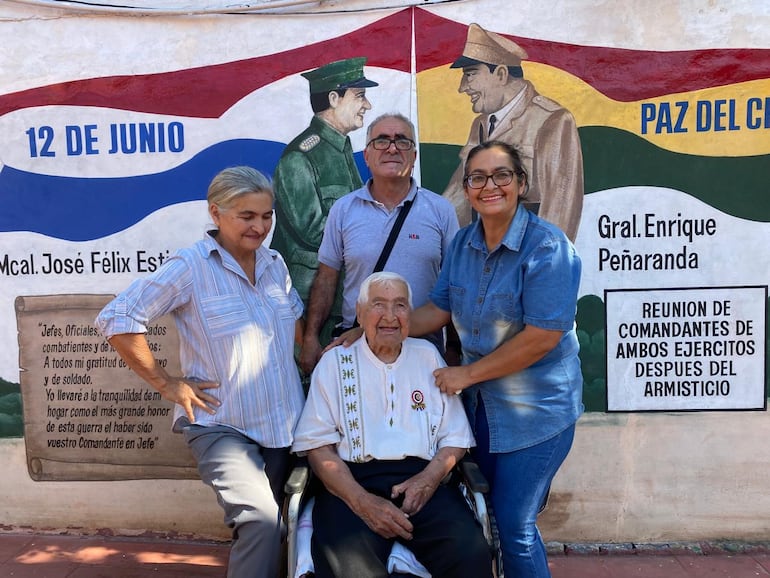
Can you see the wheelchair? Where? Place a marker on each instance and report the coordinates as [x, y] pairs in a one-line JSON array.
[[298, 490]]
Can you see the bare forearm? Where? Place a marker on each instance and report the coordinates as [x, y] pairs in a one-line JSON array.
[[378, 513], [321, 299], [427, 319], [419, 489], [133, 349], [336, 475], [444, 462], [524, 349]]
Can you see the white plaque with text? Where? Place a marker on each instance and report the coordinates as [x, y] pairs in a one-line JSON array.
[[686, 349]]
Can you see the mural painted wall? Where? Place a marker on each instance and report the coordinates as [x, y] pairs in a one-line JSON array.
[[106, 156]]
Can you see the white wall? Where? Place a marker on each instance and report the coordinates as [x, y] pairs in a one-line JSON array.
[[663, 477], [183, 508], [630, 478]]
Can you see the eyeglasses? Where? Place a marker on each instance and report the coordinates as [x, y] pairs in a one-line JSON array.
[[479, 180], [383, 144]]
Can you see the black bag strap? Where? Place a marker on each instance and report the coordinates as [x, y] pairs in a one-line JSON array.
[[402, 213], [400, 218]]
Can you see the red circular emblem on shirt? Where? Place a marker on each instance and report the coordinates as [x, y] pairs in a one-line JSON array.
[[417, 396]]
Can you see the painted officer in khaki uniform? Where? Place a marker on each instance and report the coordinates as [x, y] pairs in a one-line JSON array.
[[511, 110], [317, 167]]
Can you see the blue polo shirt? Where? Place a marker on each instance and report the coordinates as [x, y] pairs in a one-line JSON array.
[[531, 278]]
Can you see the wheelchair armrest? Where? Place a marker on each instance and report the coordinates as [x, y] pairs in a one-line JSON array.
[[297, 479], [473, 476]]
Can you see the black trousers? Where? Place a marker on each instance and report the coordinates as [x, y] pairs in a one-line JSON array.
[[447, 540]]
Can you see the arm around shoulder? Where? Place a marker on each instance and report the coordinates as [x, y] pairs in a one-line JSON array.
[[427, 319]]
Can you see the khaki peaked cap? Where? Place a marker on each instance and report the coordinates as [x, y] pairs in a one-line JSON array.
[[489, 48]]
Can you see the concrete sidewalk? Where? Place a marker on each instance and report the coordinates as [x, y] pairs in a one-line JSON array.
[[64, 556]]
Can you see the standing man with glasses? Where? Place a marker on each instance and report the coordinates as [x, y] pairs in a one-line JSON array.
[[359, 224]]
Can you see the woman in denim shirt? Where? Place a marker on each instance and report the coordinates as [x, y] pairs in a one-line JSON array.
[[509, 284]]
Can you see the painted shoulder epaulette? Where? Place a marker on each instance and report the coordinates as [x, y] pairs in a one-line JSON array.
[[546, 103], [309, 143]]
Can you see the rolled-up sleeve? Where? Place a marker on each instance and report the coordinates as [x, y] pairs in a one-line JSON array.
[[147, 299]]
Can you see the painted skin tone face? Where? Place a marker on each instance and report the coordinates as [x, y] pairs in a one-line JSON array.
[[349, 110], [485, 88]]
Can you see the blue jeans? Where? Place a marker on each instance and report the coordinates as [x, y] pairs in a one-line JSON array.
[[519, 482]]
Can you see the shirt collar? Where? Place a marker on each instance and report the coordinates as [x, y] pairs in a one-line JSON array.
[[513, 237], [503, 112], [264, 255], [365, 193]]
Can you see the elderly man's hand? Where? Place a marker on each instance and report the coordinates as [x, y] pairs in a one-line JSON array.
[[384, 518], [417, 490]]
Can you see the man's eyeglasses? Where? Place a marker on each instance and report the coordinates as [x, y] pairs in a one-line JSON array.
[[383, 144], [479, 180]]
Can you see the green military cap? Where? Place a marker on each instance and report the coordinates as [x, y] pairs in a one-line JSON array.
[[338, 75], [486, 47]]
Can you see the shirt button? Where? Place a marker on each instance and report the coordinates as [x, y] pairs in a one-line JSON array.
[[475, 331], [480, 300], [486, 269]]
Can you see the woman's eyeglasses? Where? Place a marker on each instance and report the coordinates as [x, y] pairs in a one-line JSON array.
[[479, 180]]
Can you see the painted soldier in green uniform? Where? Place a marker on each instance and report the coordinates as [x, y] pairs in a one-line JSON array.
[[317, 168]]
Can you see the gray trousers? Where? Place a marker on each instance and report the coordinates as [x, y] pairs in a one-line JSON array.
[[248, 481]]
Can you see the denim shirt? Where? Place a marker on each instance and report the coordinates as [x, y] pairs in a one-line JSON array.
[[531, 278]]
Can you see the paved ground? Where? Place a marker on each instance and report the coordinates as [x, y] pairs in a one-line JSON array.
[[48, 556]]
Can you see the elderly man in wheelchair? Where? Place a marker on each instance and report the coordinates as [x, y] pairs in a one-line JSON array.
[[382, 438]]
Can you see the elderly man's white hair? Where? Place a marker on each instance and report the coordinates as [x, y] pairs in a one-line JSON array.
[[382, 278]]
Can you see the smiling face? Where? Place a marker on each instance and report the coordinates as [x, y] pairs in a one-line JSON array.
[[349, 111], [244, 223], [494, 201], [390, 163], [486, 88], [385, 318]]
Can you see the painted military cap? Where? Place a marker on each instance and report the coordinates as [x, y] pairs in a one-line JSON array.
[[486, 47], [348, 73]]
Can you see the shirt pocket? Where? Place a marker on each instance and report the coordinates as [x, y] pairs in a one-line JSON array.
[[280, 304], [224, 315], [503, 309]]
